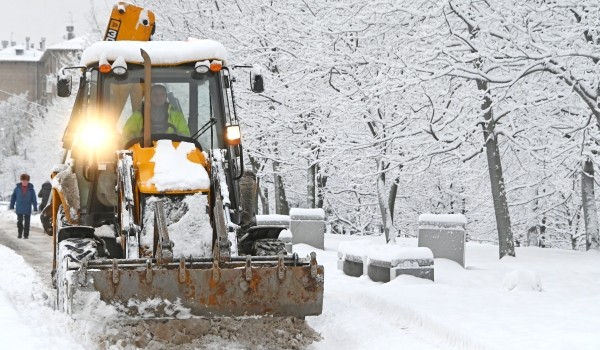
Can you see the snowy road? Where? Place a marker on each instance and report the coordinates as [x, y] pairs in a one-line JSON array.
[[36, 250]]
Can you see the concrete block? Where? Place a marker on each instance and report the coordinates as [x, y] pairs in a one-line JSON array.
[[351, 257], [426, 272], [389, 261], [445, 235], [308, 227], [353, 265], [353, 268], [378, 273]]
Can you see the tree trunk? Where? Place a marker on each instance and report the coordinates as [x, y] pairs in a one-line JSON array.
[[311, 186], [588, 199], [264, 199], [386, 218], [262, 193], [281, 203], [321, 183], [505, 237], [392, 197]]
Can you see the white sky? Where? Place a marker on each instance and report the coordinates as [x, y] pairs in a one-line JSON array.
[[49, 19]]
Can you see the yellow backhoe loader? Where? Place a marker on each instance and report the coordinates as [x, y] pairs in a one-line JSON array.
[[151, 214]]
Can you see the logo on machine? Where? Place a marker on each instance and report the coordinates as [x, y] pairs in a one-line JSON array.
[[113, 30]]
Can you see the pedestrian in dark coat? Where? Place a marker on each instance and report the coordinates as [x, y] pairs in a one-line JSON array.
[[44, 194], [24, 198]]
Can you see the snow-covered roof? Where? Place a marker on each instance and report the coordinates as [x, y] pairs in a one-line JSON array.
[[78, 43], [30, 55], [160, 52]]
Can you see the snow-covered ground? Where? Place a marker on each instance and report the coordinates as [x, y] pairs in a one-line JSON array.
[[542, 299]]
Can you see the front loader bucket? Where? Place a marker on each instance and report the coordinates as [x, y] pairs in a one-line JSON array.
[[241, 287]]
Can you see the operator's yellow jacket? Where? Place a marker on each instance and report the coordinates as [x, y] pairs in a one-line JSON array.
[[135, 124]]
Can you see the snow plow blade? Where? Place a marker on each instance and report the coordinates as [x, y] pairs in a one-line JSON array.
[[274, 286]]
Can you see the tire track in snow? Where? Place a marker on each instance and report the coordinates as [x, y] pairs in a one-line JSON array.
[[358, 313]]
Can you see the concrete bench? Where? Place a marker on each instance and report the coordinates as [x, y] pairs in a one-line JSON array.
[[383, 263], [444, 235], [388, 262], [351, 257]]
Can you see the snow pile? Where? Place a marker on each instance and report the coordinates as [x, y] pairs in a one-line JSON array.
[[286, 236], [107, 231], [160, 52], [364, 251], [174, 171], [217, 164], [356, 251], [188, 225], [214, 333], [522, 280], [396, 254], [66, 182], [157, 307], [27, 317]]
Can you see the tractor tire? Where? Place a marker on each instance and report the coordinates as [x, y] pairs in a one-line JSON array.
[[78, 249], [70, 251], [61, 218], [268, 247]]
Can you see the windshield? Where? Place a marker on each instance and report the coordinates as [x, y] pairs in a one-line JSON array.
[[183, 103]]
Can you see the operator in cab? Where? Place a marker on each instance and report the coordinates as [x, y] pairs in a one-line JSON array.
[[165, 119]]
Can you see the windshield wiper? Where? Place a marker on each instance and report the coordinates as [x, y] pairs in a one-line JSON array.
[[212, 121]]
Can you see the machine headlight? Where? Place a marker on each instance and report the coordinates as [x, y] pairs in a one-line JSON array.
[[94, 136], [119, 66], [202, 67], [233, 135]]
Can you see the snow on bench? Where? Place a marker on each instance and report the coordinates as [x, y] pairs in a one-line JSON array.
[[388, 261], [352, 256], [384, 262], [273, 220]]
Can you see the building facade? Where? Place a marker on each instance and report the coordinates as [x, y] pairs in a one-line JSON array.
[[27, 69]]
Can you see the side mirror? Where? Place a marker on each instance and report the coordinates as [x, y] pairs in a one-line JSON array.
[[257, 83], [63, 86]]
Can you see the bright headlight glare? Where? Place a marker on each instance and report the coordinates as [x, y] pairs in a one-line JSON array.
[[94, 136], [233, 135]]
